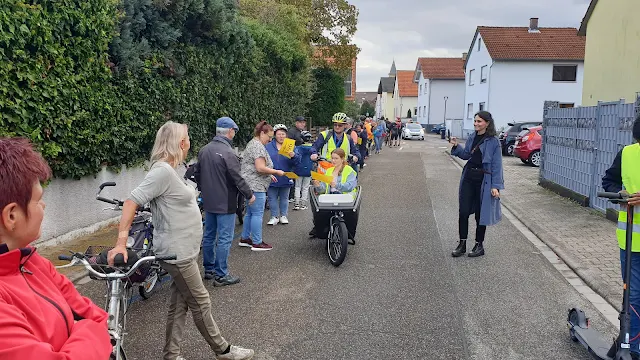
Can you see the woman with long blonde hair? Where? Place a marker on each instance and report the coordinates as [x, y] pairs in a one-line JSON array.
[[177, 231]]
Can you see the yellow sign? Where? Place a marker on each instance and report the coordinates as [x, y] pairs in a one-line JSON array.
[[291, 175], [359, 141], [321, 177], [287, 147]]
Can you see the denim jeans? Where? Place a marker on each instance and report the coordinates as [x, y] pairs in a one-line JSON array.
[[302, 189], [378, 141], [634, 298], [215, 253], [278, 200], [252, 227]]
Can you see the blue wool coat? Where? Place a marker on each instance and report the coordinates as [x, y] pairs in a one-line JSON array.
[[490, 211]]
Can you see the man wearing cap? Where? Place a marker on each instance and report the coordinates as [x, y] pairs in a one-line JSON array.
[[295, 133], [218, 174]]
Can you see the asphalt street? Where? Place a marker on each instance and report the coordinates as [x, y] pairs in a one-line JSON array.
[[399, 293]]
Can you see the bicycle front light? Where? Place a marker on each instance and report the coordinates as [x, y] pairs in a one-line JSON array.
[[130, 241]]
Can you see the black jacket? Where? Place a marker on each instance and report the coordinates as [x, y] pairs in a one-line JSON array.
[[612, 180], [296, 135], [218, 174]]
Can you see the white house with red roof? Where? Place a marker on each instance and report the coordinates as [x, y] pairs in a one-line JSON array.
[[441, 89], [512, 71]]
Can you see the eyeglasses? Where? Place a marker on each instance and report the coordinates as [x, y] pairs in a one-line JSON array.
[[338, 124]]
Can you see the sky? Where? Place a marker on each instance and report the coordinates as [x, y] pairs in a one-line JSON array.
[[407, 29]]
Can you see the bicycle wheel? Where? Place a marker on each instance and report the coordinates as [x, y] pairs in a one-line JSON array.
[[119, 351], [149, 286], [337, 243]]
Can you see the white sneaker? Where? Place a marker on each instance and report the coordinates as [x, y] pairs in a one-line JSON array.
[[237, 353], [303, 207], [284, 220], [273, 221]]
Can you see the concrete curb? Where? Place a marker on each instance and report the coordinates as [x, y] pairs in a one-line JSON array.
[[552, 242]]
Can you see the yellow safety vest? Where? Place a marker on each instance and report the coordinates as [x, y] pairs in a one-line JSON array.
[[343, 179], [631, 183], [330, 145]]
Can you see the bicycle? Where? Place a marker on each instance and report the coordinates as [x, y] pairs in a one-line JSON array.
[[118, 288], [141, 240]]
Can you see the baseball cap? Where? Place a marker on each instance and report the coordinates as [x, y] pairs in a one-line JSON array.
[[226, 123], [300, 118]]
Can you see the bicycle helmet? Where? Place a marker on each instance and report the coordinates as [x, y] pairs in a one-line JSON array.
[[340, 118], [306, 136], [280, 127]]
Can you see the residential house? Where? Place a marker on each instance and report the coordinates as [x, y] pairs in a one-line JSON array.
[[369, 96], [612, 57], [350, 80], [512, 71], [405, 95], [441, 89], [384, 103]]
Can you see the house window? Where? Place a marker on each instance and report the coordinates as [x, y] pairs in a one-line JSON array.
[[482, 107], [565, 72], [471, 73], [566, 105], [479, 43], [469, 111], [420, 89], [424, 111], [483, 74], [347, 85], [425, 89], [415, 111]]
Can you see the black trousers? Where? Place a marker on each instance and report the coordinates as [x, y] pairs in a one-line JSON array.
[[470, 203], [321, 222]]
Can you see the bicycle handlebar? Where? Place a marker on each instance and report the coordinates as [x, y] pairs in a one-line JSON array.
[[79, 258], [616, 198]]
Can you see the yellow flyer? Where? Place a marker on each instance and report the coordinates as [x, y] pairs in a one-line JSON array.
[[291, 175], [321, 177], [287, 147]]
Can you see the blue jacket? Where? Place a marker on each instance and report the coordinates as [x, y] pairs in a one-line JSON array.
[[305, 166], [490, 211], [281, 162]]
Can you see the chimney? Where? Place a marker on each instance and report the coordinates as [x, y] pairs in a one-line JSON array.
[[464, 56], [533, 25]]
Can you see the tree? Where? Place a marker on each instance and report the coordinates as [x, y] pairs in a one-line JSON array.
[[351, 109], [328, 97], [367, 109]]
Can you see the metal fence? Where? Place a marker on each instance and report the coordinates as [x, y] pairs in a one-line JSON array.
[[580, 144]]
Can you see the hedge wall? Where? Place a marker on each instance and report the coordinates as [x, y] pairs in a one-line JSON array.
[[90, 81]]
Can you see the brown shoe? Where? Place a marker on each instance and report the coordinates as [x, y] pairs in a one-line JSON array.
[[245, 243], [263, 246]]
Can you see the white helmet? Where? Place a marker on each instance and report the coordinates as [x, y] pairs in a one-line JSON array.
[[279, 127]]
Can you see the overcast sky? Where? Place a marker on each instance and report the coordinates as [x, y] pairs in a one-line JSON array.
[[408, 29]]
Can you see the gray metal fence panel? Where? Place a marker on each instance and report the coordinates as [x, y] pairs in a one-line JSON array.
[[581, 143]]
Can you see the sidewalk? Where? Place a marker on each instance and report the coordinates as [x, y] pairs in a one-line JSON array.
[[582, 237]]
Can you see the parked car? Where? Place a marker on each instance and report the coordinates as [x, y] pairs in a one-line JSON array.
[[528, 145], [436, 129], [413, 131], [508, 137]]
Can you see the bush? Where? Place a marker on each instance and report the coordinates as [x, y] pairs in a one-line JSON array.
[[328, 97]]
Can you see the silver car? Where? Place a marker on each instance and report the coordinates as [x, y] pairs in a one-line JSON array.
[[413, 131]]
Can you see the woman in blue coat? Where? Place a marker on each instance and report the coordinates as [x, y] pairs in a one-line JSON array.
[[481, 182], [278, 193]]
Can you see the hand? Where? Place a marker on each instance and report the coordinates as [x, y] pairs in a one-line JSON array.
[[252, 200], [314, 157], [279, 173], [292, 154], [315, 183], [333, 184], [355, 159], [274, 178], [634, 200], [495, 193], [453, 141], [119, 249]]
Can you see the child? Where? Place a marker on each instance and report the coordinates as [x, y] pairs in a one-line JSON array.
[[303, 170]]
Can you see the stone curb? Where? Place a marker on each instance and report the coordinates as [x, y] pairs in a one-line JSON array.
[[553, 243]]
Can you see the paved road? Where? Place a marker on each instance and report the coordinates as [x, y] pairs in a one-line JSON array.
[[398, 295]]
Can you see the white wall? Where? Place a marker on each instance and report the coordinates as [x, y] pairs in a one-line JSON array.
[[519, 89], [403, 104], [454, 91], [423, 100], [378, 106], [478, 92]]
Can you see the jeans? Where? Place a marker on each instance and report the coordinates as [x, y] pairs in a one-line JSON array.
[[215, 253], [278, 200], [634, 298], [302, 189], [378, 141], [252, 226], [470, 203]]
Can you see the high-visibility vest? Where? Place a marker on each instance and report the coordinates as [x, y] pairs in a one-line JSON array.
[[631, 183], [330, 144], [343, 179]]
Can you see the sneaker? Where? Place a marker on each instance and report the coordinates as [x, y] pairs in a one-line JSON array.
[[236, 353], [291, 200], [273, 221], [245, 243], [296, 206], [261, 247], [225, 280], [208, 275], [284, 220], [304, 207]]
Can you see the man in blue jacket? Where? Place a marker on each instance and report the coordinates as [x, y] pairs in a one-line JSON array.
[[278, 193], [337, 138]]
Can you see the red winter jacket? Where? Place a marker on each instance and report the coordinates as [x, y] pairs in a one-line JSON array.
[[42, 315]]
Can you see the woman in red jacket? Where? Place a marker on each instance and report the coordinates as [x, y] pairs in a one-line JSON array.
[[42, 315]]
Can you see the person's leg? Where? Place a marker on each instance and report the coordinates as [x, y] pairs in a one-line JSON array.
[[283, 195], [298, 193], [272, 196], [208, 244], [480, 229], [478, 248], [257, 213], [246, 224], [466, 193], [634, 298], [226, 225], [176, 319], [306, 183]]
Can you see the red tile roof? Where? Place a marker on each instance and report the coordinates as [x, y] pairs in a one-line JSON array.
[[517, 43], [406, 85], [441, 68]]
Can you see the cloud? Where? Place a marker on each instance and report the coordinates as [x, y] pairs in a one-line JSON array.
[[407, 29]]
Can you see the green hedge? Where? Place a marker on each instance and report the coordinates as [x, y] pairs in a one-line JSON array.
[[90, 81], [328, 97]]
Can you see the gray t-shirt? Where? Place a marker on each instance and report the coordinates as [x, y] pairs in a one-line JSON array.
[[175, 215], [257, 181]]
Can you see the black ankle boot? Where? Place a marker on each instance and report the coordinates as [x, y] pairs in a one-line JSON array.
[[461, 249], [478, 250]]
